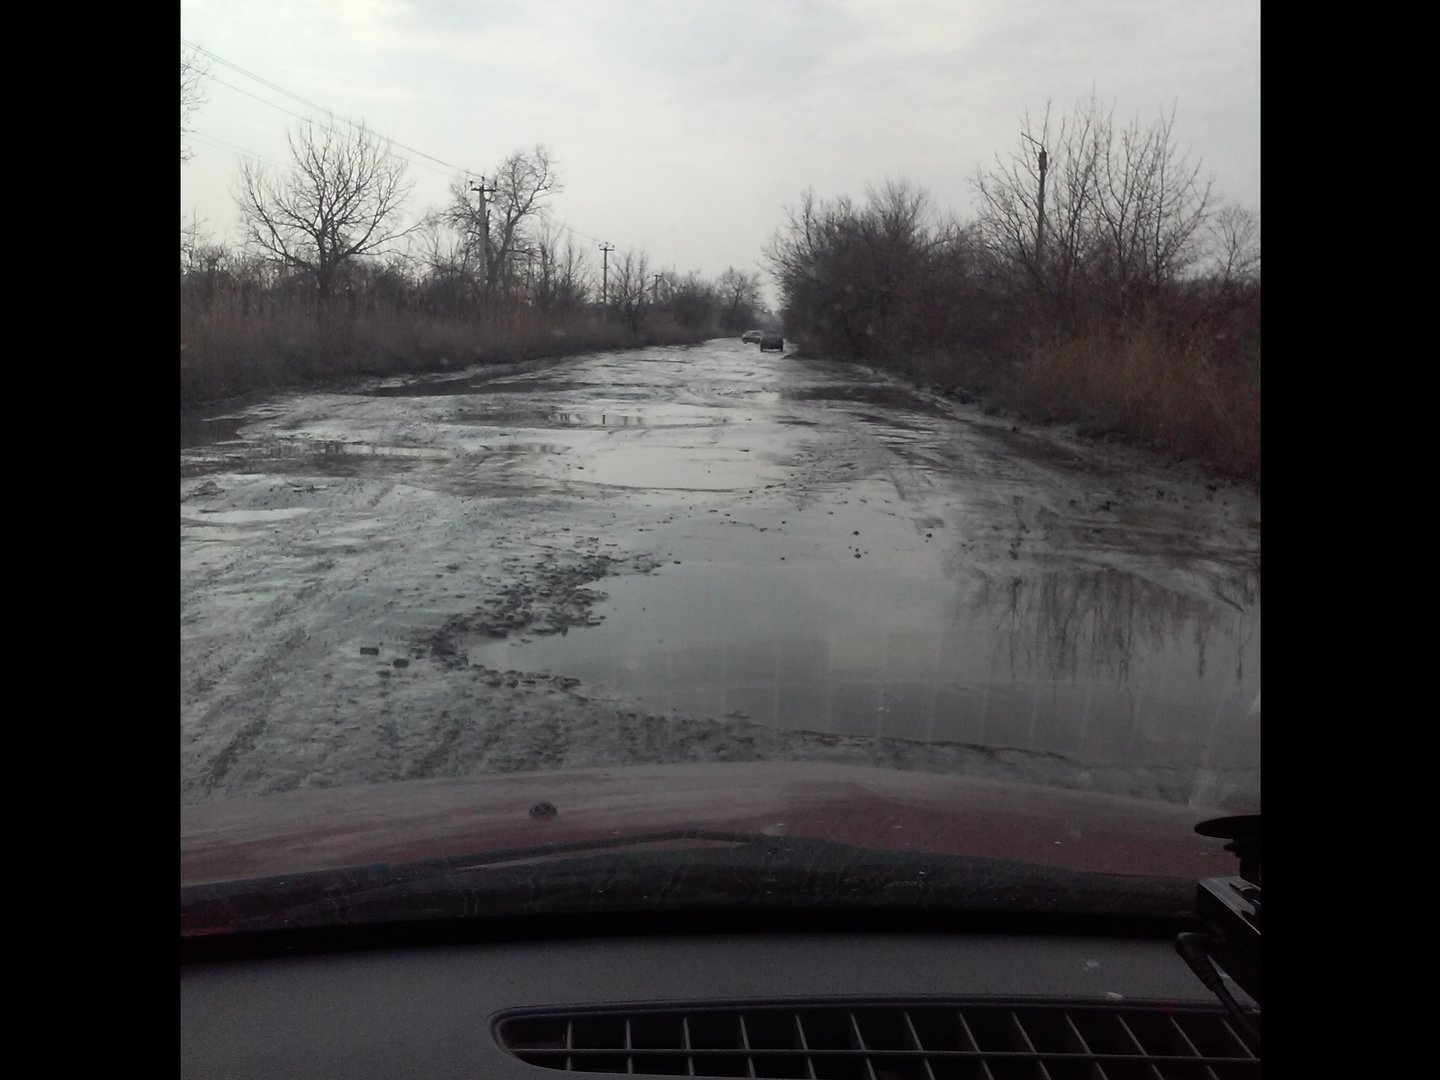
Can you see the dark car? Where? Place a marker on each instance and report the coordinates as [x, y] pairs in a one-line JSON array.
[[751, 337], [772, 340]]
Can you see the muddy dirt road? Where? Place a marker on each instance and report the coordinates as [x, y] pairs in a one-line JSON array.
[[705, 553]]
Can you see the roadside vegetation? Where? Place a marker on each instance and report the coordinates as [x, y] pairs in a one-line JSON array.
[[335, 278], [1101, 283]]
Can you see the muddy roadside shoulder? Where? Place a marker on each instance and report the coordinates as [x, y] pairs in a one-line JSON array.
[[196, 407], [196, 412], [989, 411], [1150, 473]]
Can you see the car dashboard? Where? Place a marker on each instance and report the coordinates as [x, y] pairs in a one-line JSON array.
[[806, 1004]]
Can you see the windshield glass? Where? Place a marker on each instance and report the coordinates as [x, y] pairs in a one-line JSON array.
[[728, 436]]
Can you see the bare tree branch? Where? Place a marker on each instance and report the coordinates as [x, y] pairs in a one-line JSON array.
[[341, 200], [739, 298], [524, 183], [193, 71], [1123, 217]]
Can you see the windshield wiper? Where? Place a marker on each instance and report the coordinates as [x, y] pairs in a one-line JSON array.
[[667, 871]]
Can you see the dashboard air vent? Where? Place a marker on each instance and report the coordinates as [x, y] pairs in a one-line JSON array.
[[985, 1040]]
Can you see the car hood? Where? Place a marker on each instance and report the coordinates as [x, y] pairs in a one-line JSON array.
[[877, 809]]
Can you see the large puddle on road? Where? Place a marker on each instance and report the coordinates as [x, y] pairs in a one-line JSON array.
[[660, 467], [878, 395], [593, 416], [837, 557], [1103, 669], [243, 517], [483, 380]]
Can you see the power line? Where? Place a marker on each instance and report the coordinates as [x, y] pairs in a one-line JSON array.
[[216, 143], [307, 102], [449, 170], [452, 169], [577, 232], [257, 97], [250, 74]]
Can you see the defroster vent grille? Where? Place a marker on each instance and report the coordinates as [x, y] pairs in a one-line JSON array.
[[929, 1041]]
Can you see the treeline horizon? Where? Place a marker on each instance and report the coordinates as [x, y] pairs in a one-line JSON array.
[[1100, 283], [1127, 302], [332, 280]]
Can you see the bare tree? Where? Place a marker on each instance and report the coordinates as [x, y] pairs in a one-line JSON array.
[[523, 185], [453, 262], [1235, 244], [807, 257], [628, 275], [193, 71], [1228, 282], [691, 299], [740, 297], [575, 280], [1123, 212], [559, 269], [341, 200], [493, 230], [468, 219], [1009, 196], [204, 265], [1152, 204], [856, 278]]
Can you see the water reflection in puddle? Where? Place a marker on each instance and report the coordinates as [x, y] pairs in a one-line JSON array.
[[481, 382], [273, 449], [656, 467], [241, 517], [595, 417], [1101, 668], [885, 395]]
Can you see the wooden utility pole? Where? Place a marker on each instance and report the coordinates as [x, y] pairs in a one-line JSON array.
[[485, 225], [1040, 212], [1044, 162], [605, 250], [655, 290]]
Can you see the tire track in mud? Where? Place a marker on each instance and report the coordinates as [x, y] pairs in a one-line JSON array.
[[398, 732], [494, 721], [220, 737], [239, 701], [557, 727]]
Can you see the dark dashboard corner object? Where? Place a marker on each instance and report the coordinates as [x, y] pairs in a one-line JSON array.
[[1231, 906], [1243, 832]]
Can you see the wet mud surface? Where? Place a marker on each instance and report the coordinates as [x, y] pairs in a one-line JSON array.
[[703, 554]]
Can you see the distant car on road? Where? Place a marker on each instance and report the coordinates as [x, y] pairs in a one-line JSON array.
[[772, 340], [751, 337]]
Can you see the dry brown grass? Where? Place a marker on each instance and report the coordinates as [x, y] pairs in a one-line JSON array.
[[226, 351], [1197, 397], [1193, 393]]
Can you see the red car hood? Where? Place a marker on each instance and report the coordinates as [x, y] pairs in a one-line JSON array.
[[326, 828]]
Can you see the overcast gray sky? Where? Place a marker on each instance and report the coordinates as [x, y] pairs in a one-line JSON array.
[[683, 127]]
